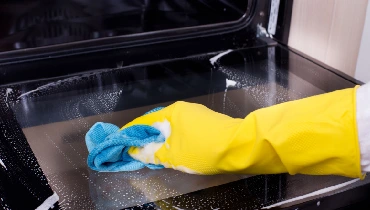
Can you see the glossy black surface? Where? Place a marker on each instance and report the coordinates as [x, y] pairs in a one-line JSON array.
[[265, 76], [44, 22], [176, 80], [23, 183], [59, 91], [251, 193]]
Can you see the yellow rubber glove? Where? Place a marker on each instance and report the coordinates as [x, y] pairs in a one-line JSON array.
[[315, 135]]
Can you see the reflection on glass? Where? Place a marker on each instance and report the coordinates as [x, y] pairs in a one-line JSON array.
[[28, 24], [55, 116]]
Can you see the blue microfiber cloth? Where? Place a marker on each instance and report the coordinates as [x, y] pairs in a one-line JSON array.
[[108, 146]]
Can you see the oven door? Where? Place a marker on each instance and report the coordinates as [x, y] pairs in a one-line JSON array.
[[52, 91]]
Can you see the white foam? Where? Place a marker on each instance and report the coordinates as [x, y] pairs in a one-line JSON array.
[[185, 169], [49, 202], [7, 92], [146, 154], [224, 101], [52, 84], [215, 58], [2, 163], [316, 193], [164, 127], [261, 31], [180, 168], [230, 83]]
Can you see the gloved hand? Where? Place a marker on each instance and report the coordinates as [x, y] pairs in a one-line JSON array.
[[315, 135]]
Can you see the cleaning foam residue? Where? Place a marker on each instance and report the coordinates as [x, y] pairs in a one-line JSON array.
[[7, 92], [59, 82], [52, 84], [215, 58], [2, 163], [230, 83], [146, 154], [49, 202], [180, 168], [164, 127], [262, 32]]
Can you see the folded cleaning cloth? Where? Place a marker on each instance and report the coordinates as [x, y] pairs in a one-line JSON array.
[[108, 146]]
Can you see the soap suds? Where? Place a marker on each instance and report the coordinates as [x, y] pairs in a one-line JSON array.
[[261, 31], [7, 92], [230, 83], [146, 154], [49, 202], [2, 163], [316, 193], [180, 168], [215, 58], [164, 127], [52, 84], [224, 101], [185, 169]]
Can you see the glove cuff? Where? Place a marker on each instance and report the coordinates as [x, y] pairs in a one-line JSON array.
[[363, 124]]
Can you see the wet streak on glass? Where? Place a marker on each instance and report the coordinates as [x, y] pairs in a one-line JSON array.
[[252, 193], [170, 81], [43, 23], [55, 115], [22, 182]]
